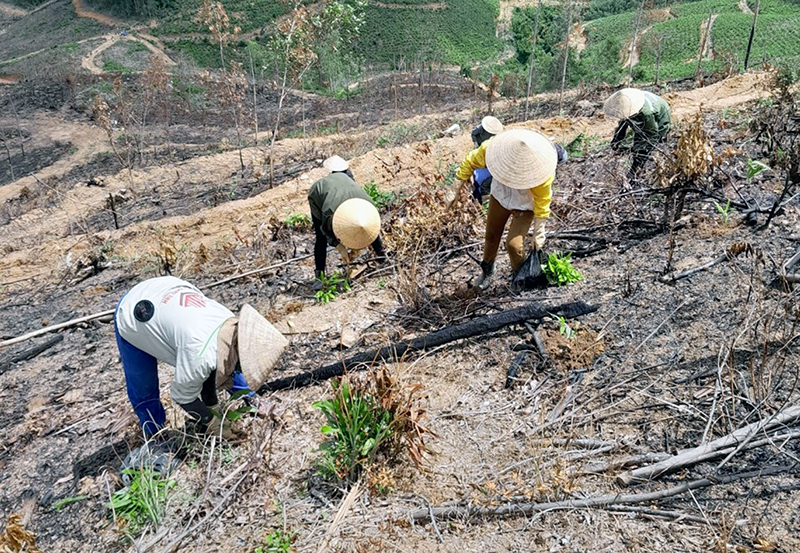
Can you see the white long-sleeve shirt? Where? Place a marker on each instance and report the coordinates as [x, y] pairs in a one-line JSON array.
[[182, 332]]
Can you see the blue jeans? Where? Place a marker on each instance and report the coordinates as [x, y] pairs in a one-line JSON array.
[[141, 382]]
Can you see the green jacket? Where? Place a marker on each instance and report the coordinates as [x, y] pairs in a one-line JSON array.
[[327, 194], [649, 126]]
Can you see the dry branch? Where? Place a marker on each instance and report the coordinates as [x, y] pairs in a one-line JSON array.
[[30, 353], [600, 502], [391, 353], [730, 253], [711, 449]]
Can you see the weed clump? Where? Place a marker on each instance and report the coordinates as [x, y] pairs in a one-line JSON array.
[[144, 500], [371, 423], [559, 270], [380, 198]]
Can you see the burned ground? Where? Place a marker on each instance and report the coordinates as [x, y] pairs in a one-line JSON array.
[[658, 368]]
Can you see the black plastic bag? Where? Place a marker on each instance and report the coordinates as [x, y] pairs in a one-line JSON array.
[[530, 275]]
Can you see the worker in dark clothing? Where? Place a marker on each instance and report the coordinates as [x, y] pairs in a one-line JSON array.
[[343, 216], [646, 114]]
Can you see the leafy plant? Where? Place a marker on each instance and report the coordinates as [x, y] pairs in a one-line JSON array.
[[565, 329], [724, 210], [61, 503], [331, 285], [279, 541], [755, 167], [144, 500], [380, 198], [297, 220], [368, 418], [356, 427], [559, 269]]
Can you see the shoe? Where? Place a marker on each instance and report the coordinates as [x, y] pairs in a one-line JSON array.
[[484, 279]]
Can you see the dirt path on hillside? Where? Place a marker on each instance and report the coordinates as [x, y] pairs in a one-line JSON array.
[[706, 37], [89, 61], [86, 141], [12, 11], [35, 239], [99, 17]]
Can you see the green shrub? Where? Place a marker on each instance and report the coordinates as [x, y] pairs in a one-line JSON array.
[[297, 220], [559, 269], [278, 541], [380, 198]]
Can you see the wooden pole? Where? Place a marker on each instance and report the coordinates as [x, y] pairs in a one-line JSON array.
[[752, 35]]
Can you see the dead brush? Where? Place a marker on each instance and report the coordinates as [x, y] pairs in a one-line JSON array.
[[421, 226]]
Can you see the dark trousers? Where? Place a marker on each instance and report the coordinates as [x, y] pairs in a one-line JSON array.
[[321, 247]]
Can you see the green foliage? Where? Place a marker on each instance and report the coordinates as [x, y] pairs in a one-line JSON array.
[[724, 211], [583, 145], [559, 269], [331, 285], [61, 503], [356, 427], [563, 328], [112, 66], [297, 220], [755, 167], [144, 500], [380, 198], [460, 32], [278, 541]]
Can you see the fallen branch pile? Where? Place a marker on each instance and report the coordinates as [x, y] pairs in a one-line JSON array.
[[393, 352]]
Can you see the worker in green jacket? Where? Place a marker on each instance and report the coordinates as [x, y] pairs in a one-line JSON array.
[[646, 114], [343, 216]]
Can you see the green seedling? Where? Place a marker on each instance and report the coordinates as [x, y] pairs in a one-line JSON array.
[[724, 211], [61, 503], [380, 198], [297, 220], [144, 500], [381, 283], [278, 541], [565, 329], [331, 286], [755, 167], [559, 269]]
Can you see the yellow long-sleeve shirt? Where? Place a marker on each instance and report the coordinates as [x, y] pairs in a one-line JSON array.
[[509, 198]]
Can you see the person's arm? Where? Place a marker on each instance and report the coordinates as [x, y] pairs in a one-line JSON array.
[[619, 134], [199, 412], [542, 196], [476, 159]]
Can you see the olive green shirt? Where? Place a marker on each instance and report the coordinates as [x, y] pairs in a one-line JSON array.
[[650, 125], [326, 195]]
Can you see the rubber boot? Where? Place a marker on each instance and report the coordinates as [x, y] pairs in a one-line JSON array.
[[483, 280]]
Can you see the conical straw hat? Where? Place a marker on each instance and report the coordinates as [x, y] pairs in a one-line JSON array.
[[492, 125], [260, 346], [227, 352], [335, 163], [624, 103], [356, 223], [521, 158]]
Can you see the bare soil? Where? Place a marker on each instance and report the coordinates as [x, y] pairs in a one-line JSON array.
[[627, 380]]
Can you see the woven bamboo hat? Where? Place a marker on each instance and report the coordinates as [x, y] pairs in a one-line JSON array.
[[521, 158], [492, 125], [335, 163], [356, 223], [624, 103], [259, 346]]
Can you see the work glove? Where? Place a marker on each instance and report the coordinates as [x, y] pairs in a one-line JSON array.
[[460, 186], [538, 233], [217, 426]]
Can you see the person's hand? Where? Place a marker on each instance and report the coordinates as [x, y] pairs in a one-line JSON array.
[[219, 427], [538, 233], [344, 252], [460, 186]]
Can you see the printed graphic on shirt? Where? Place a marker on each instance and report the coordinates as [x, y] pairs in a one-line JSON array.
[[192, 299]]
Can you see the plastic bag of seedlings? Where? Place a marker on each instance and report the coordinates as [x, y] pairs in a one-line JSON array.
[[530, 275]]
